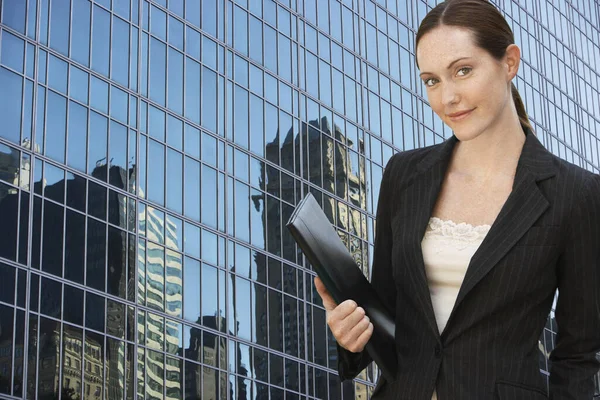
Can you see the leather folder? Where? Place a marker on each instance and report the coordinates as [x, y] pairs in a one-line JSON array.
[[343, 278]]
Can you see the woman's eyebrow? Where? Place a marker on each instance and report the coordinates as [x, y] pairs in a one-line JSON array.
[[449, 65]]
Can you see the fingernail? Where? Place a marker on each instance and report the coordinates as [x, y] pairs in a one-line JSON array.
[[367, 318]]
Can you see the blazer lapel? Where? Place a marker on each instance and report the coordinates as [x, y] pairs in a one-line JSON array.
[[524, 206]]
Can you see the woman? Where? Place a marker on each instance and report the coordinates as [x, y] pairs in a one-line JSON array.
[[475, 235]]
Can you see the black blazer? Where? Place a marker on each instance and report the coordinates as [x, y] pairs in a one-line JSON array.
[[546, 236]]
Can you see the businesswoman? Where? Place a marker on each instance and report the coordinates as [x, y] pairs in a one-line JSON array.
[[475, 235]]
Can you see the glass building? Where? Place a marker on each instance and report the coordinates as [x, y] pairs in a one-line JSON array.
[[151, 153]]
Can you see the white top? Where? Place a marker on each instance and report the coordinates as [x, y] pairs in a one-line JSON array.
[[447, 250]]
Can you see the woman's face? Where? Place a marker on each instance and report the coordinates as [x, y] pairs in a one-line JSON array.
[[466, 87]]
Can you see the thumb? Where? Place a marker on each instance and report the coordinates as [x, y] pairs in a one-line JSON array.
[[328, 301]]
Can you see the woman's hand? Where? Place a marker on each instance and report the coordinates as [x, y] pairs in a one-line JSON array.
[[350, 326]]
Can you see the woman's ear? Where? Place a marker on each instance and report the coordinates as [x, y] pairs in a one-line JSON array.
[[512, 59]]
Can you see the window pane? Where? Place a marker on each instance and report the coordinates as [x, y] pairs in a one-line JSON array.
[[13, 14], [96, 269], [191, 205], [240, 30], [158, 61], [57, 74], [10, 105], [59, 25], [99, 95], [77, 136], [192, 141], [74, 246], [156, 277], [121, 8], [48, 350], [240, 115], [175, 132], [118, 104], [209, 196], [52, 238], [120, 51], [175, 87], [209, 16], [174, 184], [100, 41], [78, 86], [173, 289], [158, 23], [97, 144], [157, 123], [192, 43], [209, 291], [156, 172], [80, 41], [56, 126], [118, 155], [13, 51], [209, 96], [192, 90], [175, 32]]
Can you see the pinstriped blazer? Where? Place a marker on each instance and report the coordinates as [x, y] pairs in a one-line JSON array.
[[546, 237]]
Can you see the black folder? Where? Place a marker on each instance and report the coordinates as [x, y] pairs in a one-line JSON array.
[[343, 278]]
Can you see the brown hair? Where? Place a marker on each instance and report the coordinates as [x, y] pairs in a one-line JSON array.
[[491, 32]]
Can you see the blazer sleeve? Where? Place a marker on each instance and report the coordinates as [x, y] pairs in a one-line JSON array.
[[349, 363], [573, 362]]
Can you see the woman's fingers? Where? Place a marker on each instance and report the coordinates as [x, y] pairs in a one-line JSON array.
[[328, 301]]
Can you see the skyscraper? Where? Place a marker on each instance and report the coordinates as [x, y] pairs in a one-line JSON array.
[[151, 152]]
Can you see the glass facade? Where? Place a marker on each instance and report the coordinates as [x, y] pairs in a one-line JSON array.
[[151, 153]]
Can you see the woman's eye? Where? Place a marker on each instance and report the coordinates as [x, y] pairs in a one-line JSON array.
[[465, 71], [429, 82]]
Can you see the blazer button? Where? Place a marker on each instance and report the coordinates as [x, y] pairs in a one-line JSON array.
[[437, 351]]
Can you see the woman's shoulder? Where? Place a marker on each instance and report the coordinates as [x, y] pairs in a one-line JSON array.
[[578, 177]]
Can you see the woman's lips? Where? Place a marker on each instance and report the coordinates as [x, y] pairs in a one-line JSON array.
[[460, 116]]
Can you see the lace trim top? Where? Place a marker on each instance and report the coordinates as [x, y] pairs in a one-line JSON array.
[[460, 235], [447, 251]]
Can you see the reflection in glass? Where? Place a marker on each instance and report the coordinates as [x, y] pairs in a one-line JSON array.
[[156, 275], [51, 298], [117, 155], [74, 312], [118, 104], [72, 359], [117, 262], [175, 81], [10, 104], [57, 74], [93, 354], [32, 350], [209, 247], [209, 292], [173, 379], [174, 184], [243, 308], [76, 156], [158, 61], [6, 339], [191, 205], [156, 172], [53, 238], [209, 96], [120, 50], [173, 288], [80, 42], [155, 375], [49, 358], [275, 320], [209, 196], [96, 247], [241, 209]]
